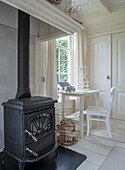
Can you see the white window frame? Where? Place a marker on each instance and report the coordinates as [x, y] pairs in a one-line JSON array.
[[69, 51]]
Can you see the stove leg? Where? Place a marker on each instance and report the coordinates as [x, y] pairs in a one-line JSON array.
[[21, 165], [3, 158]]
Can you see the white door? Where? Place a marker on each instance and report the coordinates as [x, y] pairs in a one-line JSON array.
[[100, 67], [118, 74]]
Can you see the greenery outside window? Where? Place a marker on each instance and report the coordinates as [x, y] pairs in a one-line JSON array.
[[63, 56]]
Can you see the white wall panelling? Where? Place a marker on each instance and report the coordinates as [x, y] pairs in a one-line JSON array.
[[120, 103], [8, 15], [8, 57], [99, 63], [100, 67], [48, 32], [118, 74], [113, 25], [121, 62]]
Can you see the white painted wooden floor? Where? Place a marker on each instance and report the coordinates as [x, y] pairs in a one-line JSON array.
[[98, 144]]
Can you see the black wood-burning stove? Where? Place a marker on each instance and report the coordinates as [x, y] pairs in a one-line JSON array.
[[29, 122], [29, 128]]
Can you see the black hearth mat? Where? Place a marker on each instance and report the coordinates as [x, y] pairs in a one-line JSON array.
[[66, 159]]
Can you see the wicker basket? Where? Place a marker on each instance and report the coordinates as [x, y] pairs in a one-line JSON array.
[[67, 126]]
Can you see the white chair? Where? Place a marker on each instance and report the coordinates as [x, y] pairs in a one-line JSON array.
[[101, 112]]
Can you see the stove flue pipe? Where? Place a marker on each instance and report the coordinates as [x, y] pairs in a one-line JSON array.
[[23, 90]]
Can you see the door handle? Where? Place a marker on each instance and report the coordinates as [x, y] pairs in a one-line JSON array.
[[108, 77]]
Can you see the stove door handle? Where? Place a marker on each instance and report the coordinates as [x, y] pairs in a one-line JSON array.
[[33, 137], [32, 152]]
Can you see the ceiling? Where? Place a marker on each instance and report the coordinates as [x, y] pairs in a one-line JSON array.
[[92, 6], [88, 7], [113, 2]]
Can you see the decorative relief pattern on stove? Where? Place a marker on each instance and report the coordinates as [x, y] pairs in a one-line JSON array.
[[42, 123]]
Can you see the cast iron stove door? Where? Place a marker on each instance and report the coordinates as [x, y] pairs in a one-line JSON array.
[[39, 124]]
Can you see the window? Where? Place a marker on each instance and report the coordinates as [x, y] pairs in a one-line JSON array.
[[63, 56]]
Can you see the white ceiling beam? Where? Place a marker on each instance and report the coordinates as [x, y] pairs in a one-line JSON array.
[[48, 13], [102, 5]]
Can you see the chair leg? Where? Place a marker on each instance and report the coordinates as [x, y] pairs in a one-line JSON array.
[[107, 119], [90, 122], [108, 128], [87, 125]]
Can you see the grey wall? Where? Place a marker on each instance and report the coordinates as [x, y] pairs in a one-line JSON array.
[[8, 57]]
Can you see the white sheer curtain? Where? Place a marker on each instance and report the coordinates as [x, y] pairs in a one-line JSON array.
[[49, 69], [79, 53]]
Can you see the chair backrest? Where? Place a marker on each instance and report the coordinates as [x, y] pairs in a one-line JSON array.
[[112, 98]]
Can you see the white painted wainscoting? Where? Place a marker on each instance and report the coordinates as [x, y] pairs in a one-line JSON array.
[[100, 67], [8, 57], [118, 74]]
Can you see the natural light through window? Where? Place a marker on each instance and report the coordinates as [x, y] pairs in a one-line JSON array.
[[63, 56]]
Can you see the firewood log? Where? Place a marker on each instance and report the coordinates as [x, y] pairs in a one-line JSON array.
[[66, 122]]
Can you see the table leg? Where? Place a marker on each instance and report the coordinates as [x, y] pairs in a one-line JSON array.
[[81, 115], [63, 104], [97, 105], [97, 99]]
